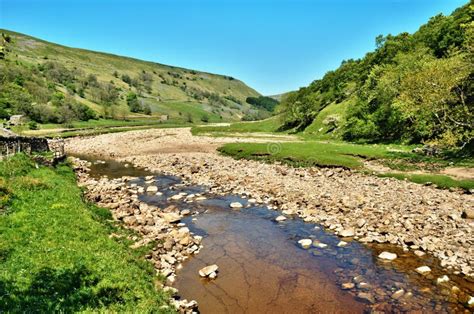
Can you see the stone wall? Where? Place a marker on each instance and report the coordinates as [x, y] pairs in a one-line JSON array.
[[17, 144]]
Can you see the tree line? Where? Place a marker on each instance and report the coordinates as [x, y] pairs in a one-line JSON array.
[[414, 88]]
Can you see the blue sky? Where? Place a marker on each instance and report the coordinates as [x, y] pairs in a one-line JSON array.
[[272, 45]]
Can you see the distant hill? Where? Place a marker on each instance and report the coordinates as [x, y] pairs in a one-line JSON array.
[[65, 83]]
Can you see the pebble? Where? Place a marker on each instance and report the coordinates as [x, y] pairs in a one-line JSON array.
[[348, 285], [387, 256], [470, 302], [305, 243], [235, 205], [419, 253], [347, 233], [185, 212], [280, 218], [342, 244], [320, 245], [366, 297], [152, 189], [209, 271], [423, 270], [442, 279], [398, 294]]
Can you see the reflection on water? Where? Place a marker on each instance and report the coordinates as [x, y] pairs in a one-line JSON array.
[[262, 269]]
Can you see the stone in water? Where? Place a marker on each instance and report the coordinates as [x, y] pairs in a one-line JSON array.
[[208, 271], [280, 218], [423, 270], [305, 243], [235, 205], [387, 256]]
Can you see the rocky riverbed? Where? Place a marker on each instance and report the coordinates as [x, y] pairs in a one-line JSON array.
[[369, 209], [174, 242]]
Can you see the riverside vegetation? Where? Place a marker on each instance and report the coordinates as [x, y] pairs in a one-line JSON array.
[[55, 249]]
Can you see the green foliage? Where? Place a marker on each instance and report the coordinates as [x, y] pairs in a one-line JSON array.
[[205, 118], [135, 105], [33, 125], [56, 254], [266, 103], [413, 88]]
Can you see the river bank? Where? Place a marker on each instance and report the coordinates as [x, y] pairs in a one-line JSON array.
[[370, 209]]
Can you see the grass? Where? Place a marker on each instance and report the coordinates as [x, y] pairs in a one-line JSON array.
[[315, 153], [95, 127], [441, 181], [180, 110], [269, 125], [320, 129], [168, 82], [55, 250]]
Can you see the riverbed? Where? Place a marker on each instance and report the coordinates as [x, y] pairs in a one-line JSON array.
[[262, 268]]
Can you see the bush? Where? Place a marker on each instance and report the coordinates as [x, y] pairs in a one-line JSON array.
[[205, 118], [32, 125]]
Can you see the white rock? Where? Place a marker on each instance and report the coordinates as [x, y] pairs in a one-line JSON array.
[[152, 189], [305, 243], [470, 302], [280, 218], [347, 233], [442, 279], [342, 244], [419, 253], [208, 270], [171, 217], [398, 294], [387, 256], [185, 212], [200, 198], [176, 197], [236, 205], [423, 270], [321, 245]]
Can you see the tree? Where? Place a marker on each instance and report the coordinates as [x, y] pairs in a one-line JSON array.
[[434, 97]]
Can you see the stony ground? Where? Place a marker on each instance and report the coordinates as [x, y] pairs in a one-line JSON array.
[[372, 209]]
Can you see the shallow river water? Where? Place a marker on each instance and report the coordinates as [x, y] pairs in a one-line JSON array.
[[262, 269]]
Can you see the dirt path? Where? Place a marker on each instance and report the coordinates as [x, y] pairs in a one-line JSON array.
[[382, 210]]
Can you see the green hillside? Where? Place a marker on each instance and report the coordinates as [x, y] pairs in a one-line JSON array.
[[51, 83], [414, 88]]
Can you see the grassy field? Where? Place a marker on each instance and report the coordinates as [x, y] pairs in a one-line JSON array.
[[55, 250], [95, 127], [270, 125]]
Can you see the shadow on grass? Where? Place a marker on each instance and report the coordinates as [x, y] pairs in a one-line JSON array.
[[58, 290]]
